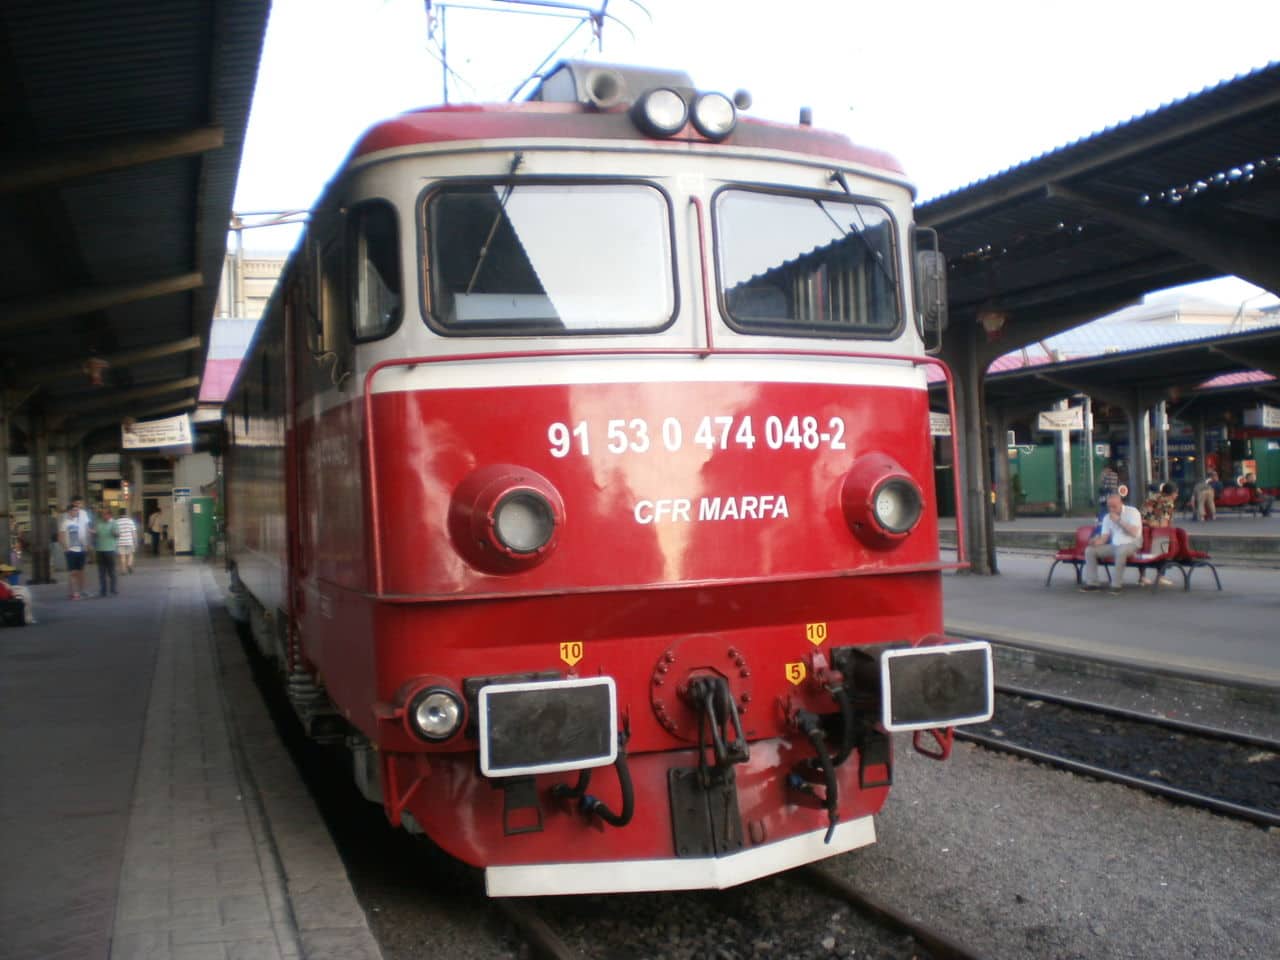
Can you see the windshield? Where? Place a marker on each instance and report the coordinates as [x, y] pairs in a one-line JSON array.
[[806, 265], [549, 258]]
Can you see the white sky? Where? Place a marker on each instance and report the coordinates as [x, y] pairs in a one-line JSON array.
[[958, 91]]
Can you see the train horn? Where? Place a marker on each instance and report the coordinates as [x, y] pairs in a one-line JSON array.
[[605, 88]]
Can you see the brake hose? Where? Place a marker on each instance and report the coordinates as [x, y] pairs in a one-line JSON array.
[[595, 806], [811, 727]]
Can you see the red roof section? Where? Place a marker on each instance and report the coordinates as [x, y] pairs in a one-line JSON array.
[[219, 376], [564, 121]]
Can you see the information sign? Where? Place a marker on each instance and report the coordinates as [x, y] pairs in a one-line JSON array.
[[1071, 418], [169, 432]]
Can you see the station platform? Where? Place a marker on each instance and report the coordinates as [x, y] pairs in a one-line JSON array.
[[148, 810], [1226, 636], [1232, 536]]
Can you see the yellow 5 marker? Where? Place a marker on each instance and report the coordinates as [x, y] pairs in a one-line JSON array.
[[816, 633], [796, 672], [571, 652]]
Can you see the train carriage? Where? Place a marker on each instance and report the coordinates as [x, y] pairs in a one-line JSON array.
[[580, 481]]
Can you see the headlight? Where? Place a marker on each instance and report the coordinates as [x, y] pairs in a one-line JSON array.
[[661, 112], [880, 501], [714, 116], [524, 521], [435, 713], [897, 505], [505, 518]]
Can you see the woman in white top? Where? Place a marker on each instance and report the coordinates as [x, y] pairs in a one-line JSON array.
[[126, 539]]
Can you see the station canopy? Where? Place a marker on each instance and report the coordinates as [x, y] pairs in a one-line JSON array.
[[123, 124]]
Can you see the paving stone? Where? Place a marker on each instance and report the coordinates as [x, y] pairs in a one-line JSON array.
[[253, 950], [145, 945], [143, 842], [244, 909]]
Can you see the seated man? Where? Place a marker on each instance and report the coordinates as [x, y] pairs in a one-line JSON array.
[[1119, 539], [1250, 482], [10, 591]]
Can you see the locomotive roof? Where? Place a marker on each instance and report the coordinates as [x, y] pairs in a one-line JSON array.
[[571, 121]]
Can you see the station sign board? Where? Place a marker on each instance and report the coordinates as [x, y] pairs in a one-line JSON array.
[[169, 432], [1266, 417], [1071, 418]]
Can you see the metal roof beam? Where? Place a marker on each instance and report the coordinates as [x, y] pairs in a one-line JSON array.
[[88, 423], [70, 161], [68, 409], [1070, 289], [1114, 398], [977, 200], [1249, 361], [124, 358], [1244, 251], [60, 306]]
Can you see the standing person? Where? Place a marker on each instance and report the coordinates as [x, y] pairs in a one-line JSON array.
[[1120, 539], [105, 540], [128, 539], [154, 525], [73, 537], [1202, 497]]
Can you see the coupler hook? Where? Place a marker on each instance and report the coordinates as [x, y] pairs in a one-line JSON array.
[[716, 706]]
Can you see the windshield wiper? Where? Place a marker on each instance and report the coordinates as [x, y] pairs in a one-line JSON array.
[[497, 219], [837, 176]]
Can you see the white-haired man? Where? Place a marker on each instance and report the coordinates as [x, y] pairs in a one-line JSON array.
[[1119, 539]]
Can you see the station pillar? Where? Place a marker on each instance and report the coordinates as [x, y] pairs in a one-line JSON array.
[[5, 501], [964, 355], [999, 421], [1136, 413], [41, 523]]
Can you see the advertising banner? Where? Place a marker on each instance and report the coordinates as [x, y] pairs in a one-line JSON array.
[[169, 432]]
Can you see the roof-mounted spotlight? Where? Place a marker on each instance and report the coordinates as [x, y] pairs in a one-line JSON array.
[[714, 115], [661, 112]]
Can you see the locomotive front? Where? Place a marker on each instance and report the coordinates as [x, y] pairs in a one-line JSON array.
[[647, 481]]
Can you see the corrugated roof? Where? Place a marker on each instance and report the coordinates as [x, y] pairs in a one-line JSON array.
[[91, 80], [1185, 192]]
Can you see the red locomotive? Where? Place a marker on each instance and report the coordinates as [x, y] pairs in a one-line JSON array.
[[580, 480]]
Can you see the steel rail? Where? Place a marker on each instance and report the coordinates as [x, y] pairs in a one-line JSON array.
[[939, 945], [1253, 814], [1124, 713], [536, 931]]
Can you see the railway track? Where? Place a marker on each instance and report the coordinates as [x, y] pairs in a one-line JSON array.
[[939, 945], [1234, 774], [544, 942]]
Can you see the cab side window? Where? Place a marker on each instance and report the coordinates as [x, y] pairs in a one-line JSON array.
[[334, 358], [373, 245]]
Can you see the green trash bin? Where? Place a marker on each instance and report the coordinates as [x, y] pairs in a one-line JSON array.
[[202, 526]]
